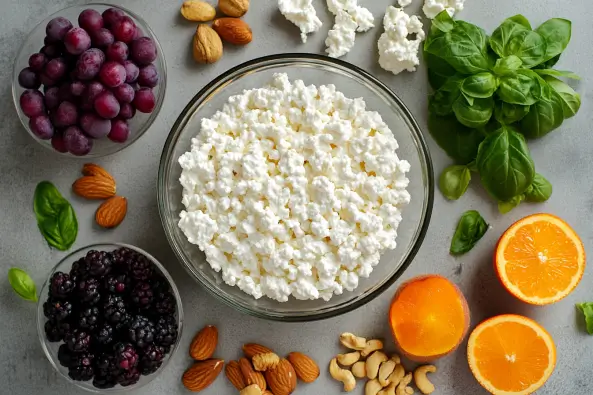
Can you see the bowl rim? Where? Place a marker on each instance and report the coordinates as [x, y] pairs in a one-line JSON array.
[[213, 87], [41, 319], [160, 99]]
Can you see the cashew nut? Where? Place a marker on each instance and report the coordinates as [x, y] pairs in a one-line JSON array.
[[422, 382], [373, 363], [395, 358], [353, 342], [402, 388], [371, 346], [342, 375], [409, 391], [348, 359], [389, 390], [385, 371], [398, 374], [372, 387], [253, 389], [359, 369]]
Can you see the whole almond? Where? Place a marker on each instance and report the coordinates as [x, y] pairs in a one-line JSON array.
[[207, 45], [282, 379], [250, 375], [202, 374], [233, 373], [112, 212], [235, 31], [197, 11], [204, 343], [306, 369], [91, 187], [91, 169], [252, 349], [234, 8]]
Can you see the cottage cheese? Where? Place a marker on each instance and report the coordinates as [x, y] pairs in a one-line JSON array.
[[350, 18], [396, 51], [293, 190], [432, 8], [404, 3], [301, 13]]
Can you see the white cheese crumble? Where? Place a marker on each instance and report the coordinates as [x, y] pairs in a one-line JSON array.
[[404, 3], [350, 18], [302, 14], [432, 8], [396, 51], [293, 190]]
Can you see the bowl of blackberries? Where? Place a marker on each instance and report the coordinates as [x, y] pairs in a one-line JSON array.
[[89, 80], [109, 317]]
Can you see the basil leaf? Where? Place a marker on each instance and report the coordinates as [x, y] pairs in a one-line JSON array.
[[55, 217], [557, 73], [481, 85], [543, 117], [439, 71], [454, 181], [505, 207], [513, 37], [548, 64], [522, 88], [48, 201], [507, 65], [441, 101], [539, 191], [507, 113], [22, 284], [505, 165], [473, 115], [443, 22], [470, 229], [521, 20], [587, 310], [557, 33], [459, 142], [571, 101]]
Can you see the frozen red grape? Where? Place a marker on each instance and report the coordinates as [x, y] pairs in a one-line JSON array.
[[93, 90], [31, 102], [148, 76], [112, 15], [89, 63], [77, 40], [106, 105], [124, 93], [28, 79], [127, 111], [124, 29], [77, 88], [76, 142], [65, 115], [112, 74], [42, 127], [46, 81], [57, 141], [120, 131], [101, 37], [95, 126], [144, 100], [117, 52], [37, 62], [57, 28], [132, 71], [51, 51], [52, 98], [55, 69], [90, 20], [143, 51]]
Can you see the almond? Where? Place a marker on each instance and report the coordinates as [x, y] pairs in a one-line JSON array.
[[204, 343], [306, 369], [252, 349], [207, 46], [112, 212], [235, 31], [234, 8], [282, 379], [251, 390], [91, 169], [91, 187], [197, 11], [233, 373], [263, 362], [202, 374], [250, 375]]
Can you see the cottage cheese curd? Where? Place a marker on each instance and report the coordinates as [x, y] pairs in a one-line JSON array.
[[432, 8], [350, 18], [293, 190], [302, 14]]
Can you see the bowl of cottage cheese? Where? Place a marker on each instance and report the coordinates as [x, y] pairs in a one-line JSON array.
[[295, 187]]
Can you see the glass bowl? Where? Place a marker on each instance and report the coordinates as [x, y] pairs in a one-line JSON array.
[[353, 82], [141, 121], [51, 348]]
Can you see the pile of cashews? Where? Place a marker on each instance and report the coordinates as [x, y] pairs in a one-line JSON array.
[[386, 376]]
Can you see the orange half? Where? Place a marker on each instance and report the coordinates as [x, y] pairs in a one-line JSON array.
[[511, 355], [540, 259]]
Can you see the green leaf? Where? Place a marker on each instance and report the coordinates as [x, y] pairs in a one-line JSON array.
[[543, 117], [507, 113], [470, 229], [439, 71], [481, 85], [587, 310], [22, 284], [443, 22], [505, 165], [539, 191], [473, 115], [522, 88], [55, 217], [505, 207], [454, 181], [513, 37], [571, 101], [521, 20], [557, 73], [441, 101], [548, 64], [556, 32], [47, 201], [507, 65], [459, 142]]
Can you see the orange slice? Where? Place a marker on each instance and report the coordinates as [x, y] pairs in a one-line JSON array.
[[540, 259], [511, 355]]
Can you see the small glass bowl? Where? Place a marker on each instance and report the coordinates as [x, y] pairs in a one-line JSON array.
[[353, 82], [141, 121], [51, 348]]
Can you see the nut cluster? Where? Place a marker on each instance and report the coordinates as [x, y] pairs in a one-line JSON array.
[[386, 375]]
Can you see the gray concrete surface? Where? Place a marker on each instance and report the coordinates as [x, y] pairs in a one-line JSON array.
[[564, 157]]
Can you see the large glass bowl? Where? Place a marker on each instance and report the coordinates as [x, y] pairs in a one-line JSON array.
[[51, 349], [138, 125], [353, 82]]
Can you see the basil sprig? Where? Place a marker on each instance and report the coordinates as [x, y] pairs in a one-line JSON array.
[[56, 218], [22, 284]]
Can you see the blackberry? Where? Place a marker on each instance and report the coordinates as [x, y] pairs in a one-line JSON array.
[[114, 309], [89, 318], [104, 334], [106, 371], [122, 325], [151, 359], [128, 377], [104, 382], [166, 332], [160, 284], [78, 340], [121, 259], [56, 330], [65, 356], [142, 296], [60, 285], [141, 268], [79, 270], [88, 291], [81, 368], [141, 331], [126, 356], [99, 262], [117, 283], [57, 310], [165, 303]]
